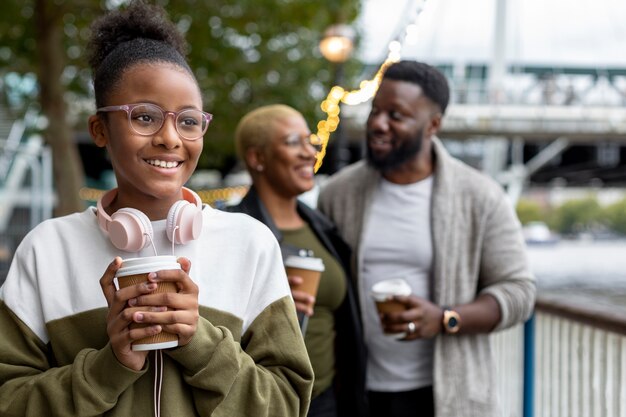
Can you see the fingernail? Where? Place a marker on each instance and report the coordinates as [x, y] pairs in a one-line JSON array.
[[151, 286], [139, 317], [132, 302]]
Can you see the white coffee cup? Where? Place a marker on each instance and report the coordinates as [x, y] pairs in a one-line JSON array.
[[309, 269], [134, 271]]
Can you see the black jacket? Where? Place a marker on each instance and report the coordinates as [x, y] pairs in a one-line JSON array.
[[350, 350]]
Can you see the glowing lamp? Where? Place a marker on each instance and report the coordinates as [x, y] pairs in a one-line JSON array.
[[337, 43]]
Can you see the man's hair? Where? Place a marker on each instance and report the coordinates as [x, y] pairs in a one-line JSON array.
[[433, 83]]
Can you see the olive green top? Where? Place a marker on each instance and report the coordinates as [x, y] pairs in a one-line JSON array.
[[320, 334]]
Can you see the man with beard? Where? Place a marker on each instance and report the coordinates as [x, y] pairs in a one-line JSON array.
[[413, 212]]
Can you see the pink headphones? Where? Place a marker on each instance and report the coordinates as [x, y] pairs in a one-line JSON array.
[[130, 230]]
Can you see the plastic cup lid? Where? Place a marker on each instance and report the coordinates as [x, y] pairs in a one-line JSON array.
[[383, 289], [304, 262], [134, 266]]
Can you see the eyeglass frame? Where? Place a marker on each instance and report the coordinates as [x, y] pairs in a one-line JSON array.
[[128, 108], [303, 141]]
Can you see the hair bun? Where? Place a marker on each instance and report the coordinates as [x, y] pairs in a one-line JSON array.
[[138, 20]]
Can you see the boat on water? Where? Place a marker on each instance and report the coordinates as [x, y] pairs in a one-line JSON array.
[[538, 233]]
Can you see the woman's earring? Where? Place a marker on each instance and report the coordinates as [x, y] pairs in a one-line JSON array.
[[259, 168]]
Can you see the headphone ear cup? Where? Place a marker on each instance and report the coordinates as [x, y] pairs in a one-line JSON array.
[[184, 222], [128, 229]]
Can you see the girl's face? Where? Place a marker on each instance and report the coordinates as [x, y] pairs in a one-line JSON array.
[[150, 170], [290, 157]]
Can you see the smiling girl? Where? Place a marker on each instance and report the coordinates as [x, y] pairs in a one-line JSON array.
[[66, 345]]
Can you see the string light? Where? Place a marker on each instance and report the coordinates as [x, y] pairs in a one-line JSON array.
[[212, 197], [367, 88]]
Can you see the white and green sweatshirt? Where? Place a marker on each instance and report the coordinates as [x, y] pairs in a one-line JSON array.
[[247, 357]]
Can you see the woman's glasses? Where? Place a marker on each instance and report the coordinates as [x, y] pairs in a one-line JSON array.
[[147, 119], [294, 141]]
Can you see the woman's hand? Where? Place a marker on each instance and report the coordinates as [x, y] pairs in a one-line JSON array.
[[304, 302]]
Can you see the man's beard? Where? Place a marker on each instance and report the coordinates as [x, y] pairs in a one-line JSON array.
[[397, 156]]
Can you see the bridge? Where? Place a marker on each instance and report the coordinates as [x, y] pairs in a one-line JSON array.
[[545, 123]]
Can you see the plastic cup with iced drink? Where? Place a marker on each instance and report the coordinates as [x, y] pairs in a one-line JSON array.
[[383, 293], [134, 271]]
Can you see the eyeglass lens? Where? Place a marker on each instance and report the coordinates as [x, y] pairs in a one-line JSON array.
[[147, 119], [311, 140]]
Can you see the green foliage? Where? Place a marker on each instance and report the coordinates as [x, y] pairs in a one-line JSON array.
[[576, 216], [529, 210], [615, 215], [18, 55], [255, 52], [245, 54]]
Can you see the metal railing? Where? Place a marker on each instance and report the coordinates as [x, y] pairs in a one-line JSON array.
[[26, 195], [580, 362], [569, 360]]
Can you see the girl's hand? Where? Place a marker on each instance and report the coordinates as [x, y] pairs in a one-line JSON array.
[[176, 313], [120, 317]]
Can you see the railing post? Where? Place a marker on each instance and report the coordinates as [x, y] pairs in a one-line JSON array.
[[529, 367]]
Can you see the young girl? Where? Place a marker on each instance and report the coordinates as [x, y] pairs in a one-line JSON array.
[[66, 346]]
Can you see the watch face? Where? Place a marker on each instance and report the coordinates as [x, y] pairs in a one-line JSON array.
[[451, 321]]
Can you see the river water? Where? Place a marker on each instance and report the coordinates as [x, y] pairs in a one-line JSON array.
[[595, 270]]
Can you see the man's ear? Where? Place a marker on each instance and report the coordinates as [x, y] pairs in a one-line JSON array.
[[98, 131], [434, 124]]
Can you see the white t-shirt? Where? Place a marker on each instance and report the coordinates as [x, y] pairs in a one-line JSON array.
[[397, 243]]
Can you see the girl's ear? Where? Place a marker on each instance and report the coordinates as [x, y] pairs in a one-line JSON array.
[[98, 131]]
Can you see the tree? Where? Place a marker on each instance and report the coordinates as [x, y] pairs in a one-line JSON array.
[[245, 54], [254, 52], [43, 37], [529, 210], [616, 216], [577, 216]]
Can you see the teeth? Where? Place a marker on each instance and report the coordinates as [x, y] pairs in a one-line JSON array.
[[163, 164]]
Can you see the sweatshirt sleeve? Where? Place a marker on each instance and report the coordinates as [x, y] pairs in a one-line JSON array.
[[32, 381], [268, 372], [31, 386]]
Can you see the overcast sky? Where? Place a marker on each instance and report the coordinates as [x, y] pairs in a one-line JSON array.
[[589, 33]]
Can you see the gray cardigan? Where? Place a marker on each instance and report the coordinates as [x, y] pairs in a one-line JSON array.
[[478, 248]]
